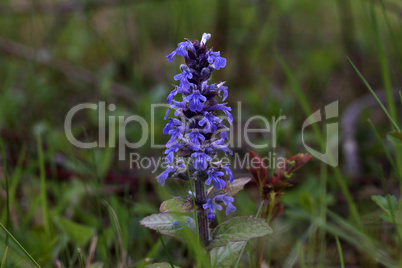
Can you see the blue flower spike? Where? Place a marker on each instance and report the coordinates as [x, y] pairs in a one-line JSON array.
[[198, 133]]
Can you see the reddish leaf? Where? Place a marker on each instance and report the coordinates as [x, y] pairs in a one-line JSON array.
[[258, 169], [292, 164], [278, 182]]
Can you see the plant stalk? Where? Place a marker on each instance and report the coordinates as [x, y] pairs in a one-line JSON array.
[[200, 197]]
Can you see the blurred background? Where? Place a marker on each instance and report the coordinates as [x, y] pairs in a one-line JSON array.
[[57, 54]]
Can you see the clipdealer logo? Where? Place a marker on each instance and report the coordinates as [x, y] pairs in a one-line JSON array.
[[107, 136]]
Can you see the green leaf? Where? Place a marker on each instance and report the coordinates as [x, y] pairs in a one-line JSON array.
[[236, 186], [161, 265], [78, 233], [179, 204], [163, 223], [239, 229], [224, 257], [382, 202]]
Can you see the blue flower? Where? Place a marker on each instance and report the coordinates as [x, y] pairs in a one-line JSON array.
[[221, 146], [180, 50], [205, 38], [173, 93], [228, 172], [224, 89], [170, 56], [223, 108], [224, 135], [201, 158], [199, 133], [171, 150], [210, 121], [215, 176], [173, 122], [195, 101], [195, 138], [216, 56], [162, 177], [227, 200], [183, 77], [210, 205], [176, 134], [176, 104]]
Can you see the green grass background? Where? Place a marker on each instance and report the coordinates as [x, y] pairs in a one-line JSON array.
[[284, 57]]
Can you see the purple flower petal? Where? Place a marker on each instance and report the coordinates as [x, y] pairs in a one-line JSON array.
[[170, 56], [215, 57], [205, 38], [195, 101]]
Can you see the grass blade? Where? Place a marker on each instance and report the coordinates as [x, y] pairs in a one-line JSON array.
[[338, 244], [375, 96], [164, 247], [306, 109], [80, 258], [3, 261], [116, 225], [301, 254], [385, 72], [7, 189], [19, 245]]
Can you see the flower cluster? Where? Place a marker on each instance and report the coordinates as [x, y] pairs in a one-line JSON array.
[[211, 205], [197, 133]]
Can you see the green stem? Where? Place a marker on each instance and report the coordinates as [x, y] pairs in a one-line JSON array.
[[260, 243], [271, 205]]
